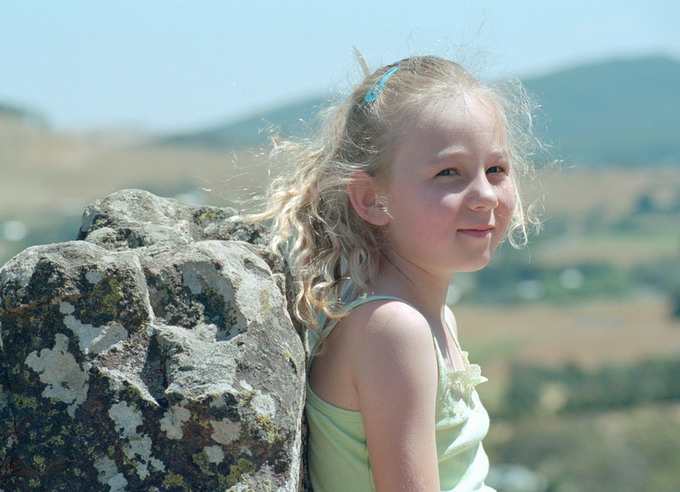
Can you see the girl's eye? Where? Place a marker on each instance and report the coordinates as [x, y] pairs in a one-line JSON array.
[[495, 169], [447, 172]]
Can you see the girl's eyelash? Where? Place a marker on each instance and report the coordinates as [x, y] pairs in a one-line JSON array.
[[497, 169], [491, 169]]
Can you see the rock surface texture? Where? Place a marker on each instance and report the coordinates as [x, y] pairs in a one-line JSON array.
[[153, 354]]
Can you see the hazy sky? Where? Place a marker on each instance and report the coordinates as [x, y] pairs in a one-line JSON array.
[[173, 65]]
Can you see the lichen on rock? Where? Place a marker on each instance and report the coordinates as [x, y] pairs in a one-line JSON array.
[[154, 353], [62, 377]]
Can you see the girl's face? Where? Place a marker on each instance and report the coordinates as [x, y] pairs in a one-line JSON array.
[[449, 192]]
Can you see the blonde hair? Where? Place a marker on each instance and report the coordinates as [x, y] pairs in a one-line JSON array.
[[328, 243]]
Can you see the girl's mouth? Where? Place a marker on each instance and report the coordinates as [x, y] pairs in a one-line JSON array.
[[478, 232]]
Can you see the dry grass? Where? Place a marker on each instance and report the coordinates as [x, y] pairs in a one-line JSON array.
[[42, 170], [621, 249], [590, 335], [605, 193]]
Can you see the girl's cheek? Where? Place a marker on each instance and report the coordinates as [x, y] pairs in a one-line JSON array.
[[510, 191], [507, 198]]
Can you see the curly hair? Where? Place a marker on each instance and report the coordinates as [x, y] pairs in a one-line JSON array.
[[330, 248]]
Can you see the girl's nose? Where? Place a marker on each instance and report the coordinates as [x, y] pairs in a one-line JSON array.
[[482, 194]]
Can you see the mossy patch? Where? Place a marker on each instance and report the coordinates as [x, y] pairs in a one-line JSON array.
[[175, 481], [238, 470], [207, 215], [265, 302]]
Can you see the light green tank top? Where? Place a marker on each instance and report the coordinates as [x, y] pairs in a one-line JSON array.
[[338, 456]]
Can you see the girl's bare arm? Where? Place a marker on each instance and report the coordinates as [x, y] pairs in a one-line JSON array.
[[395, 372]]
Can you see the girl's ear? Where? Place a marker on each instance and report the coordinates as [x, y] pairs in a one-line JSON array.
[[365, 199]]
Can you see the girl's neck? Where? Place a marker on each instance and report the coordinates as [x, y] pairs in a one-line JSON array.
[[426, 292]]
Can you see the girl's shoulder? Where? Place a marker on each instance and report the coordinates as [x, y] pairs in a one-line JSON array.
[[392, 363], [386, 323], [377, 345], [382, 312]]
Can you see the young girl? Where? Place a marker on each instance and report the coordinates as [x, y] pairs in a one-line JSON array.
[[413, 179]]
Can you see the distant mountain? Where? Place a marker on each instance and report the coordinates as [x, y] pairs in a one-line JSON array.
[[621, 111], [624, 112], [21, 114], [289, 120]]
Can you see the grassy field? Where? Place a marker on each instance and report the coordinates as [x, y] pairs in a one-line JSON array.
[[42, 170], [48, 178], [589, 334], [603, 193], [625, 449], [623, 249]]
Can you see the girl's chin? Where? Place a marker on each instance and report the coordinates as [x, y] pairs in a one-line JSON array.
[[472, 269], [475, 266]]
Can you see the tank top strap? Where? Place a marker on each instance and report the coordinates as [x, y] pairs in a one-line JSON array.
[[442, 368], [364, 300], [356, 303], [315, 338], [439, 355]]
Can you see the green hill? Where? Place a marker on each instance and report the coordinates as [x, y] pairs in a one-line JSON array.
[[624, 111], [289, 120], [23, 115], [621, 111]]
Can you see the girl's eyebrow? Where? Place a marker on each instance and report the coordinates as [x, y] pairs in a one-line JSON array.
[[454, 153], [448, 154]]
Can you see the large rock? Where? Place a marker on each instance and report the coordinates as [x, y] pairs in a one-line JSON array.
[[156, 354]]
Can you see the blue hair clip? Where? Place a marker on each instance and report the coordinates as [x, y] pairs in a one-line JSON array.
[[377, 86]]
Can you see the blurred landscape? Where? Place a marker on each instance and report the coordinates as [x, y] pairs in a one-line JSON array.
[[578, 333]]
